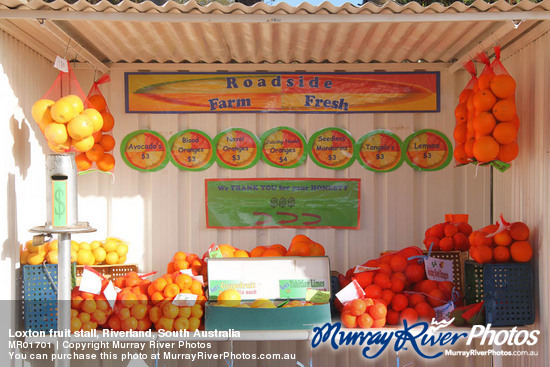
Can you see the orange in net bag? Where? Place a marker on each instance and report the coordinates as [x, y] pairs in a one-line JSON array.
[[100, 154], [464, 114], [62, 116]]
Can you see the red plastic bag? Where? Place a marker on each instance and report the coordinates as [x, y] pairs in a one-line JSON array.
[[100, 156], [62, 117], [464, 115]]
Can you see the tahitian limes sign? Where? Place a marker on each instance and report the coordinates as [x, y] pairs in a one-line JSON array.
[[283, 147], [380, 151], [191, 150], [427, 150], [237, 148], [332, 148], [144, 150]]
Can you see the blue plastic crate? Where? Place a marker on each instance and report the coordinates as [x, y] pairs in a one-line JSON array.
[[40, 296], [334, 288], [507, 289]]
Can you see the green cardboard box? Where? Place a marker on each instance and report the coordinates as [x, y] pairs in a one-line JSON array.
[[277, 279]]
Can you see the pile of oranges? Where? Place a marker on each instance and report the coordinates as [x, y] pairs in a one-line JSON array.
[[508, 245], [400, 285], [486, 120], [300, 245], [88, 311], [364, 313], [169, 317], [132, 304], [68, 126], [448, 236]]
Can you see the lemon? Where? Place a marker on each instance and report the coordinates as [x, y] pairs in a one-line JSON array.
[[111, 258], [85, 257], [36, 258], [99, 254], [121, 260], [52, 257], [56, 133], [53, 246], [83, 145], [80, 127], [110, 245], [41, 112], [258, 302], [229, 297], [122, 249], [74, 256], [94, 245], [24, 257], [75, 101], [60, 148], [31, 248], [63, 111], [95, 118], [267, 304], [84, 246], [243, 305]]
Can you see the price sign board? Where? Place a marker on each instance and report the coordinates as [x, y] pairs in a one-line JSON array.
[[237, 148], [283, 147], [332, 148], [380, 151], [285, 202], [144, 150], [428, 150], [191, 150]]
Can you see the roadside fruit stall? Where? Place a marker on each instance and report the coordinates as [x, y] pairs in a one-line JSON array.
[[211, 185]]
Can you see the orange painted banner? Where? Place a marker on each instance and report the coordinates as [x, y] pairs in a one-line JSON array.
[[285, 92]]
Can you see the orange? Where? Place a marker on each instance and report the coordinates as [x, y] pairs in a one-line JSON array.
[[240, 253], [410, 315], [87, 326], [63, 111], [76, 324], [107, 142], [171, 290], [484, 100], [383, 280], [373, 291], [272, 253], [505, 133], [316, 249], [521, 251], [129, 324], [82, 162], [170, 310], [482, 254], [106, 163], [184, 281], [165, 323], [159, 284], [503, 86], [83, 145], [365, 321], [461, 113], [416, 298], [358, 307], [387, 294], [508, 152], [226, 250], [501, 254], [88, 305], [129, 300], [464, 95], [124, 313], [378, 311], [84, 317], [155, 314], [108, 122], [415, 273], [378, 323], [229, 297], [484, 80], [516, 122], [436, 297], [519, 231], [180, 255], [469, 147], [399, 302], [257, 251], [348, 319], [194, 323], [298, 248], [484, 123], [185, 312], [502, 238], [278, 247], [181, 323], [181, 265], [446, 244], [115, 323], [144, 324], [460, 132], [56, 133], [425, 311], [398, 263], [99, 316], [392, 317], [486, 149], [397, 285], [95, 153], [364, 278], [98, 102], [504, 110], [95, 118], [460, 155], [41, 112], [196, 310]]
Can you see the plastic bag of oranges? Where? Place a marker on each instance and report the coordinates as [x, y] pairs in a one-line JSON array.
[[464, 115], [496, 122], [101, 152], [64, 116]]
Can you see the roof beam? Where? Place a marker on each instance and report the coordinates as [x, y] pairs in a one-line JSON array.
[[27, 39], [273, 18], [63, 37]]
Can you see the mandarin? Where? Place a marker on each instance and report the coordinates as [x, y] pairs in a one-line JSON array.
[[485, 149], [484, 123], [504, 110], [503, 86], [505, 133], [521, 252], [484, 100]]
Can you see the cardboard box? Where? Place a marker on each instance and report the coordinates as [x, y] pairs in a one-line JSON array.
[[277, 279]]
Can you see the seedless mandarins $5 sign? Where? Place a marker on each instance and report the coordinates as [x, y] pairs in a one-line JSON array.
[[144, 150], [191, 150], [428, 150]]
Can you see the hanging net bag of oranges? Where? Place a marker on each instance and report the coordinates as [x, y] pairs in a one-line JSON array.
[[100, 154], [64, 116], [464, 115]]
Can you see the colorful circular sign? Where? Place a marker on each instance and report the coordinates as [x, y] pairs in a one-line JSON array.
[[191, 150], [332, 148], [237, 148], [144, 150], [283, 147], [380, 151], [427, 150]]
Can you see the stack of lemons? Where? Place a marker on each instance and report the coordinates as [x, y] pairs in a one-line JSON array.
[[112, 251], [66, 124]]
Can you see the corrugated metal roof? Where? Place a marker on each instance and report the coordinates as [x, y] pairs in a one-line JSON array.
[[190, 33]]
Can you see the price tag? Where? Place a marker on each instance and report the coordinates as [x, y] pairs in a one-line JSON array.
[[237, 148], [191, 150], [439, 270], [444, 312], [91, 282], [194, 277], [332, 148], [61, 64], [283, 147], [350, 292], [380, 151], [110, 293], [361, 269], [316, 296], [185, 299], [215, 254], [145, 151]]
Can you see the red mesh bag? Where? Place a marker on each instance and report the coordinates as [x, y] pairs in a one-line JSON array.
[[62, 117], [100, 155], [450, 235], [464, 115]]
